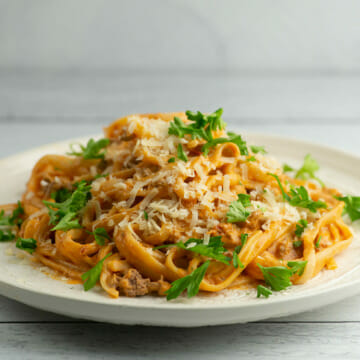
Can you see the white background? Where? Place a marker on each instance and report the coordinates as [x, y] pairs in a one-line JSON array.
[[68, 68]]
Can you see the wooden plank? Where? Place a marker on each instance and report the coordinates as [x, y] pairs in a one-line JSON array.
[[231, 34], [101, 96], [255, 341]]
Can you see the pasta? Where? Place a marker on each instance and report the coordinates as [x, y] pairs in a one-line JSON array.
[[162, 205]]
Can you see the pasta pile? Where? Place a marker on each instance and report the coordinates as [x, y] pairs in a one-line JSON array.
[[171, 202]]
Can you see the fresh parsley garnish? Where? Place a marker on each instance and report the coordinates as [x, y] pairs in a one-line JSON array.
[[190, 282], [258, 149], [14, 218], [6, 235], [92, 276], [61, 195], [65, 217], [100, 235], [146, 215], [317, 244], [214, 249], [28, 245], [238, 209], [278, 277], [300, 227], [251, 158], [92, 150], [171, 160], [287, 168], [308, 169], [181, 154], [352, 206], [264, 291], [202, 126], [299, 197]]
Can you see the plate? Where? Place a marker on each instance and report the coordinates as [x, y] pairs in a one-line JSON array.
[[28, 283]]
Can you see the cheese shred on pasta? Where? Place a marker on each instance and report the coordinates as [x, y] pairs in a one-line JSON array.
[[144, 196]]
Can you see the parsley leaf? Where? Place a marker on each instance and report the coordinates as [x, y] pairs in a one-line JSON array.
[[14, 218], [64, 218], [317, 244], [28, 245], [232, 137], [278, 277], [171, 160], [237, 209], [251, 158], [92, 150], [307, 171], [300, 197], [214, 249], [92, 276], [352, 206], [264, 291], [297, 243], [100, 235], [181, 154], [236, 261], [146, 215], [61, 195], [300, 227], [258, 149], [6, 235], [287, 168], [190, 282]]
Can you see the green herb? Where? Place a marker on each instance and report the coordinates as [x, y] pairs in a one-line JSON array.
[[237, 209], [100, 235], [14, 218], [236, 261], [258, 149], [352, 206], [264, 291], [297, 266], [171, 160], [297, 243], [64, 218], [6, 235], [307, 171], [61, 195], [233, 138], [146, 215], [28, 245], [317, 244], [92, 276], [181, 154], [92, 150], [300, 227], [251, 158], [214, 249], [190, 282], [299, 197], [98, 176], [278, 277], [287, 168]]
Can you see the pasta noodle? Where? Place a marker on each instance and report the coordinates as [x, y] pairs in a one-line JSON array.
[[143, 195]]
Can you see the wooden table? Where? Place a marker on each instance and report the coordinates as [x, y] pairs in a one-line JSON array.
[[38, 108]]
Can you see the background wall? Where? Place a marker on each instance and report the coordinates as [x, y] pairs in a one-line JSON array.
[[270, 64]]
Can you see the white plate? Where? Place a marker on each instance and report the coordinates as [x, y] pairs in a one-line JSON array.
[[22, 281]]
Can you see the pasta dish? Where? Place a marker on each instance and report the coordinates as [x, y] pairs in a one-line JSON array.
[[172, 203]]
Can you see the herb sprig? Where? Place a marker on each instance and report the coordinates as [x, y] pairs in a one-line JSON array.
[[352, 206], [238, 211], [92, 276], [92, 150]]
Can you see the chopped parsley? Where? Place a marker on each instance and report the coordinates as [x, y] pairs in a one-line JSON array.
[[287, 168], [251, 158], [6, 235], [258, 149], [100, 235], [317, 244], [308, 169], [264, 291], [299, 197], [236, 262], [352, 206], [202, 126], [278, 277], [300, 227], [61, 195], [92, 150], [92, 276], [13, 219], [171, 160], [181, 153], [238, 209], [146, 215], [65, 217], [214, 249], [190, 282], [28, 245]]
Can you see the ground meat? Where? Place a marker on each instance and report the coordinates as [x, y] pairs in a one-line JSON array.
[[133, 284]]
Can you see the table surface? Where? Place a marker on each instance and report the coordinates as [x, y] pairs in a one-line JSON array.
[[39, 108]]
